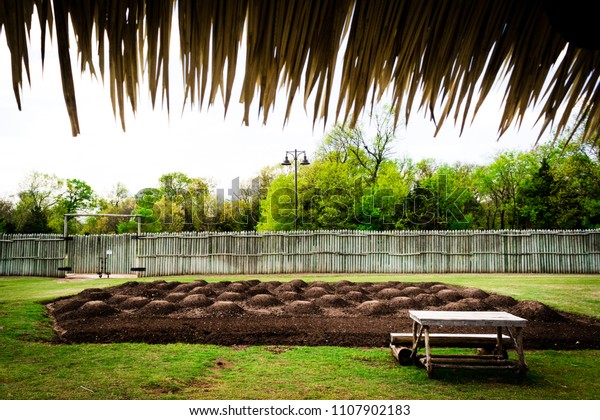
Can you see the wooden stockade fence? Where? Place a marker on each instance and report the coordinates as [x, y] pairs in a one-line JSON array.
[[184, 253], [31, 255]]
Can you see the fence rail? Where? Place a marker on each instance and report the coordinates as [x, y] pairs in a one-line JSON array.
[[549, 251]]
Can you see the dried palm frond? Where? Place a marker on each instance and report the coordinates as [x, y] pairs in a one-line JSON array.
[[15, 18], [440, 56]]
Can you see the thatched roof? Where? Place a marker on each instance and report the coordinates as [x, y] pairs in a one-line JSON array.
[[442, 56]]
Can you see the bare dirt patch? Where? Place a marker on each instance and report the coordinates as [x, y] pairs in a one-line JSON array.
[[293, 313]]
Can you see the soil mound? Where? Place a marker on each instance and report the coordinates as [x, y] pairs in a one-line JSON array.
[[218, 287], [225, 308], [448, 295], [128, 284], [467, 304], [356, 296], [290, 296], [287, 287], [500, 302], [67, 305], [134, 302], [238, 287], [264, 301], [374, 308], [163, 285], [404, 302], [186, 287], [196, 301], [471, 292], [331, 301], [299, 283], [323, 284], [95, 294], [152, 293], [272, 285], [158, 307], [116, 299], [94, 308], [303, 307], [439, 287], [196, 283], [375, 287], [389, 293], [259, 289], [428, 299], [203, 290], [535, 311], [175, 297], [231, 297], [412, 291], [347, 288], [251, 283], [315, 292]]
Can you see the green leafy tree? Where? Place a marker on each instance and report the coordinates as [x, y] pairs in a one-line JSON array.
[[383, 206], [355, 147], [7, 209], [118, 194], [277, 209], [170, 214], [498, 186], [242, 212], [575, 196], [443, 199], [565, 191], [37, 194], [183, 201], [145, 201], [77, 197], [327, 195], [539, 199]]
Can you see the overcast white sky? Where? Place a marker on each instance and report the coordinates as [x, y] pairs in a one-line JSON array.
[[200, 143]]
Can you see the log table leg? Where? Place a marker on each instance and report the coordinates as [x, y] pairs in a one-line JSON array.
[[519, 348], [428, 364], [414, 332], [499, 349], [417, 331]]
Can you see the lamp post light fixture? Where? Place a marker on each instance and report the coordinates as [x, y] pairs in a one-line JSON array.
[[295, 154]]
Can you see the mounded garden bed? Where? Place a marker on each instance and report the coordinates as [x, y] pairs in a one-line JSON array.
[[291, 313]]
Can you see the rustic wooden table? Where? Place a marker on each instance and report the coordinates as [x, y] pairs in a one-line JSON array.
[[423, 320]]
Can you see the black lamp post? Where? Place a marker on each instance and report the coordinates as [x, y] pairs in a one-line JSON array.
[[295, 154]]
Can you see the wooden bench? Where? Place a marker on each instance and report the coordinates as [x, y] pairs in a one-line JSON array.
[[452, 340], [401, 343]]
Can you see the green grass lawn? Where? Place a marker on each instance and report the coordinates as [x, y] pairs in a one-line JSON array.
[[32, 367]]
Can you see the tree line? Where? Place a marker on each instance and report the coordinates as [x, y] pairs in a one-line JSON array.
[[353, 182]]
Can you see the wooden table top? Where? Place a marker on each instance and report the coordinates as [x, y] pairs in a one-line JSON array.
[[467, 318]]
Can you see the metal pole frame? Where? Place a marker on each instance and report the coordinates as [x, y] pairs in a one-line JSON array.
[[72, 215]]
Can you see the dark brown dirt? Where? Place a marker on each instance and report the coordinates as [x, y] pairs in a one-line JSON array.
[[292, 313]]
